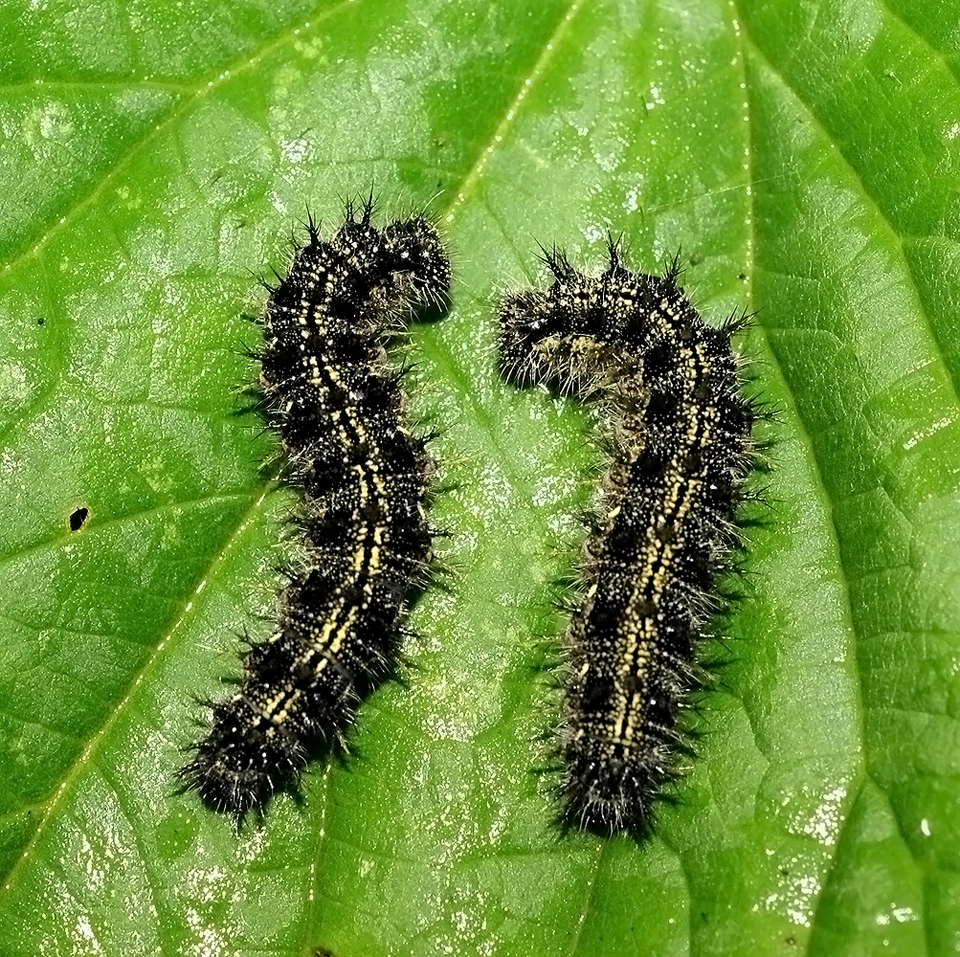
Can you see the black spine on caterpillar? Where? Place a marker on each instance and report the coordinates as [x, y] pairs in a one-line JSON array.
[[339, 414], [682, 450]]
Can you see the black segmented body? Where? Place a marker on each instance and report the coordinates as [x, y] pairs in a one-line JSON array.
[[339, 414], [682, 451]]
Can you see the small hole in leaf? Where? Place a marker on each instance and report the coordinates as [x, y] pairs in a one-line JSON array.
[[78, 517]]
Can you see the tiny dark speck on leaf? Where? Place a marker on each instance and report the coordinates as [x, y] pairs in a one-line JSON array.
[[41, 321], [78, 517]]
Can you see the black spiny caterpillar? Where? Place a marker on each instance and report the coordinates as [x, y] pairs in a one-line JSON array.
[[682, 449], [339, 414]]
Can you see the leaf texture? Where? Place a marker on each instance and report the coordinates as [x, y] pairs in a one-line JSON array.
[[804, 157]]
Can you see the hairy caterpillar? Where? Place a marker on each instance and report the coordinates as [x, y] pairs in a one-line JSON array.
[[681, 430], [339, 413]]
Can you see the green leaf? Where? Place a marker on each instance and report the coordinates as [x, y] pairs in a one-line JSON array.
[[155, 157]]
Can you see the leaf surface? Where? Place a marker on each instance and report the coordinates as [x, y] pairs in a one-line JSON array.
[[155, 158]]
